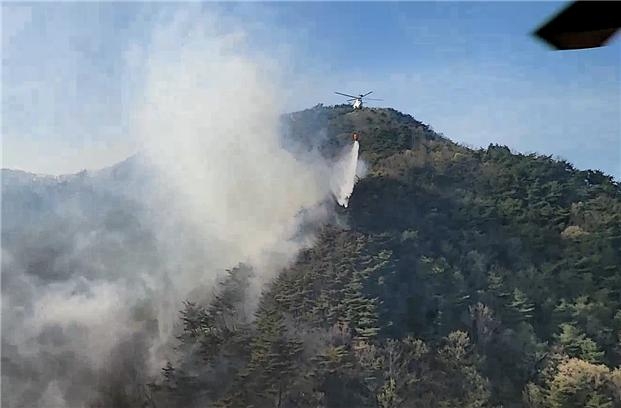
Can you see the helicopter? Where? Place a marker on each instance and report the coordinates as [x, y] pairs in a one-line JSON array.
[[357, 100]]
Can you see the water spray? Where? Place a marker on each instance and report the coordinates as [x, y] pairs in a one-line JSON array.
[[349, 174]]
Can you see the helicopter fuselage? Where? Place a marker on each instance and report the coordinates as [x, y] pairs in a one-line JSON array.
[[357, 103]]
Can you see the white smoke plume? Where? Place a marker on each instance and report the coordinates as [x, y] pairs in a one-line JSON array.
[[216, 188]]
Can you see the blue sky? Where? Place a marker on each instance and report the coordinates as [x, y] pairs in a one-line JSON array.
[[469, 69]]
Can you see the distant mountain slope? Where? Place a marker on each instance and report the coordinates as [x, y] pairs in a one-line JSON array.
[[42, 216], [466, 278]]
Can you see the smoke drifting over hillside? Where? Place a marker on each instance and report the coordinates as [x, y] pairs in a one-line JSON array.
[[95, 267]]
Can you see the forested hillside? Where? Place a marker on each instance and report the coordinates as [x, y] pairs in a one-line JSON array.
[[463, 278]]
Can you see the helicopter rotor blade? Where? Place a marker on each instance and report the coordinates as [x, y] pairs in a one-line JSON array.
[[349, 96], [368, 93], [373, 99]]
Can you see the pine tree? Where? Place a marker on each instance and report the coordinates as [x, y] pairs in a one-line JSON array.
[[274, 358], [520, 308], [577, 344]]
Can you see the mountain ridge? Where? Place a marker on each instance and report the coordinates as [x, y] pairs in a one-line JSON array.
[[320, 120]]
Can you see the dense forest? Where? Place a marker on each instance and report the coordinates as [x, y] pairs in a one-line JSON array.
[[457, 277]]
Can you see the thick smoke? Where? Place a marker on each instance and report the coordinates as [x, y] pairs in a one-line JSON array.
[[95, 266]]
